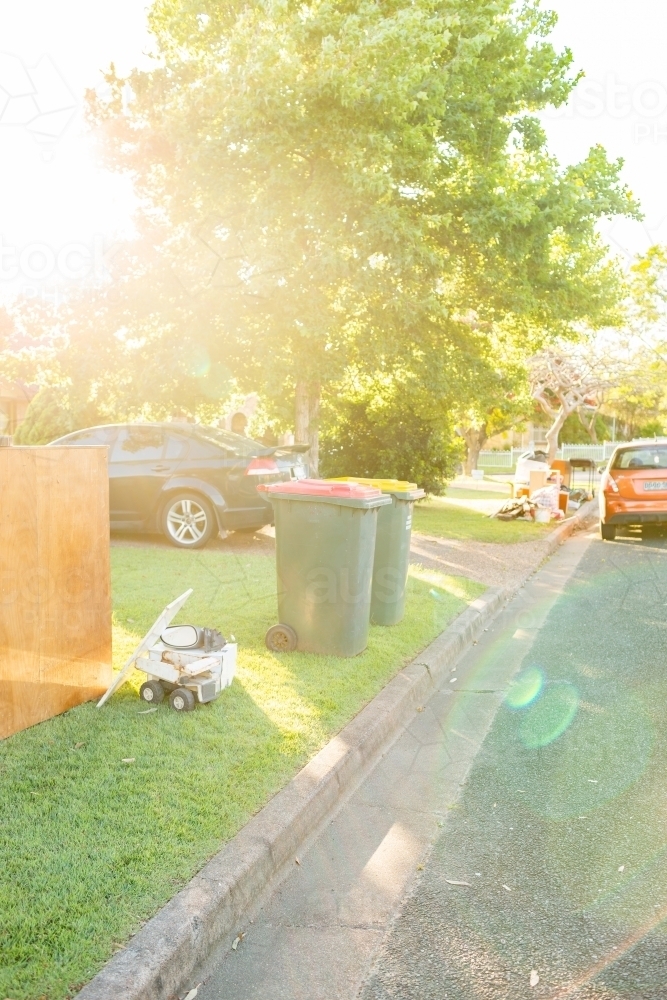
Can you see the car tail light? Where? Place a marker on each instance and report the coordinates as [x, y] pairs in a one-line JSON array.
[[611, 484], [262, 467]]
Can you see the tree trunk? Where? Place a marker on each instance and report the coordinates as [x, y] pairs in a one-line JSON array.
[[593, 431], [589, 426], [306, 421], [301, 413], [474, 438], [314, 428], [554, 431]]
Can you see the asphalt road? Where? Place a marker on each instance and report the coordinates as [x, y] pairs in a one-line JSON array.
[[560, 833]]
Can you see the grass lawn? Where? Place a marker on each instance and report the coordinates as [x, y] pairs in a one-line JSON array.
[[448, 520], [461, 493], [491, 470], [93, 846]]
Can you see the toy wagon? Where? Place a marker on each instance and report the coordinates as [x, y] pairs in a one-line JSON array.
[[186, 672], [188, 663]]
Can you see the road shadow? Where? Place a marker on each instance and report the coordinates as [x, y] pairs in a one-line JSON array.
[[647, 536]]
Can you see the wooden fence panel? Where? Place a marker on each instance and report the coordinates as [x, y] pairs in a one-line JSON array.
[[55, 601]]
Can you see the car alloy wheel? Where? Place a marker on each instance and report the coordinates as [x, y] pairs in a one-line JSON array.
[[187, 521]]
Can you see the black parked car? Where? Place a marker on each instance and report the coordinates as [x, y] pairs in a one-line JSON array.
[[188, 481]]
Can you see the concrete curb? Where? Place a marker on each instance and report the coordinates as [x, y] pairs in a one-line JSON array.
[[160, 958]]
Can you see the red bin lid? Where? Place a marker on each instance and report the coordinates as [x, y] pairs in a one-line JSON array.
[[322, 488]]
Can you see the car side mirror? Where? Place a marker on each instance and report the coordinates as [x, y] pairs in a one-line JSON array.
[[601, 468]]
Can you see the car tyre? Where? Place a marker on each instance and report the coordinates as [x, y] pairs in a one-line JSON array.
[[188, 521], [607, 532], [182, 700], [280, 639], [152, 692]]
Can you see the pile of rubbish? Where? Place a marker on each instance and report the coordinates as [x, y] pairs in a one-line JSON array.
[[521, 507], [577, 497], [542, 505]]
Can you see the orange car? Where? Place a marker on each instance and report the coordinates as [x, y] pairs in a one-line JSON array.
[[633, 488]]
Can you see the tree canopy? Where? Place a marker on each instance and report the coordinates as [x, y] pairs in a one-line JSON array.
[[349, 207], [344, 183]]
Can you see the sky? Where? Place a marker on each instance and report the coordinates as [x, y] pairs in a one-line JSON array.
[[60, 210], [621, 103]]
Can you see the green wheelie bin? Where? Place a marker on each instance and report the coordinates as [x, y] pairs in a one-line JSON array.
[[392, 548], [325, 543]]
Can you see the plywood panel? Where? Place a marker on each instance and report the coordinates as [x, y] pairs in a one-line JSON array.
[[19, 624], [55, 603]]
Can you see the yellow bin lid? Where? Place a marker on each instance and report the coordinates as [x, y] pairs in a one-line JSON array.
[[398, 487]]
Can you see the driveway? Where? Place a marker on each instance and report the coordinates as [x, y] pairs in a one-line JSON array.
[[486, 562]]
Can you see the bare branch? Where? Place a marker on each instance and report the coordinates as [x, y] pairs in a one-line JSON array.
[[567, 378]]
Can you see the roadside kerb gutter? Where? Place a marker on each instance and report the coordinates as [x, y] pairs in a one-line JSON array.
[[158, 961]]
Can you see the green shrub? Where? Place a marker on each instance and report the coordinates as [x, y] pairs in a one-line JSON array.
[[574, 432], [387, 437], [653, 428], [49, 416]]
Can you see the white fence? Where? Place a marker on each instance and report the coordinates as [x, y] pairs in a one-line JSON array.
[[498, 459], [508, 459]]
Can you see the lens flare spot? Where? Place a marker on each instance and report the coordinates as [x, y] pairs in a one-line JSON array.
[[216, 383], [548, 718], [525, 688], [196, 361]]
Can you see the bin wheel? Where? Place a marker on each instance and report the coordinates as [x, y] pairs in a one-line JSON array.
[[151, 691], [182, 700], [280, 639]]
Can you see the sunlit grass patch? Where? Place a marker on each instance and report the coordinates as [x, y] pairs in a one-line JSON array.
[[92, 846], [491, 492], [448, 520]]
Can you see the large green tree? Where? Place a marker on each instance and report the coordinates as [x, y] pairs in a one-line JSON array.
[[341, 183]]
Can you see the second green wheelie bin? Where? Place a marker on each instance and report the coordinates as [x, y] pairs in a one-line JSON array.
[[325, 543], [392, 548]]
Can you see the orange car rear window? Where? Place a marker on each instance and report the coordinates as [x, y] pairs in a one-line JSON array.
[[650, 457]]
